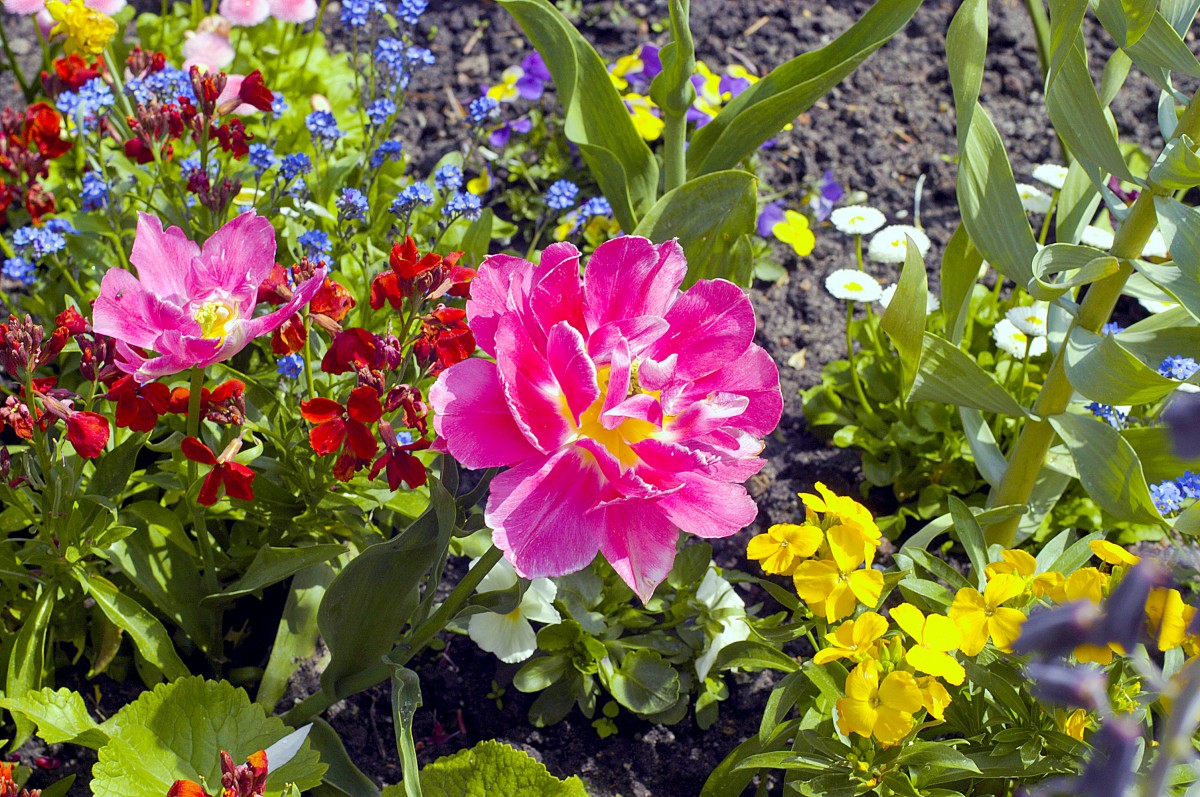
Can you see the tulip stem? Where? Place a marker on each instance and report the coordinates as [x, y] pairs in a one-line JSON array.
[[211, 584]]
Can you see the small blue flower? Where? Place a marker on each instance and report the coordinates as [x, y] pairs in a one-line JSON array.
[[1180, 368], [262, 157], [1108, 413], [1167, 497], [352, 204], [165, 86], [462, 204], [290, 366], [189, 166], [294, 165], [482, 110], [1189, 484], [596, 206], [357, 13], [380, 111], [411, 10], [1111, 328], [388, 151], [94, 192], [59, 225], [315, 243], [19, 270], [562, 195], [410, 197], [41, 241], [278, 107], [448, 178], [404, 438], [420, 56], [323, 127]]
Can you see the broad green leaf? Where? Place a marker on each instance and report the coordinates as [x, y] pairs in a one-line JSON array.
[[596, 119], [296, 637], [1101, 369], [178, 730], [60, 716], [272, 565], [1180, 227], [1161, 51], [709, 215], [113, 469], [1179, 13], [989, 459], [341, 773], [493, 769], [960, 271], [950, 376], [1077, 204], [791, 88], [904, 318], [1126, 20], [406, 699], [1047, 489], [644, 683], [754, 656], [27, 660], [1171, 279], [147, 633], [987, 192], [1178, 167], [1156, 452], [1078, 265], [1108, 468]]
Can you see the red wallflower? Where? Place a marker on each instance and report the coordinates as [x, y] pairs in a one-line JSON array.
[[332, 300], [445, 339], [254, 91], [88, 432], [338, 425], [70, 73], [402, 467], [350, 350], [412, 273], [236, 477], [226, 404], [139, 406], [244, 780]]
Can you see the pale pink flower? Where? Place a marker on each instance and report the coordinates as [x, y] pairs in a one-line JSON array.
[[624, 409], [293, 10], [212, 52], [24, 7], [192, 305], [245, 13], [45, 22], [108, 7]]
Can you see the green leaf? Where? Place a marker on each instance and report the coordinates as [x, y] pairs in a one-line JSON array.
[[341, 773], [1077, 204], [478, 238], [60, 716], [492, 769], [672, 88], [930, 757], [970, 534], [791, 88], [147, 633], [1180, 226], [272, 565], [710, 216], [596, 119], [752, 655], [1178, 168], [1129, 18], [989, 459], [1101, 369], [296, 637], [27, 661], [950, 376], [1108, 468], [1180, 13], [644, 683], [1079, 265], [960, 271], [406, 699], [178, 730], [904, 318], [826, 677]]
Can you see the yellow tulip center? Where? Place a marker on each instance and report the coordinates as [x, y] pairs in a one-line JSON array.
[[620, 439], [216, 320]]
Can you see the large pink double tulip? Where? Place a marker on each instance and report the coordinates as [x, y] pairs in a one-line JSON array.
[[625, 409]]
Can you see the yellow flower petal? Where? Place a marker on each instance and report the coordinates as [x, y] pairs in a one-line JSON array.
[[1005, 627], [910, 619], [1106, 551], [934, 662]]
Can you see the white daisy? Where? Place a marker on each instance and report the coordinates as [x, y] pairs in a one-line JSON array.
[[1033, 199], [1156, 246], [728, 608], [510, 636], [1013, 341], [1155, 306], [1030, 320], [1051, 174], [853, 285], [857, 219], [1097, 238], [889, 245], [932, 303]]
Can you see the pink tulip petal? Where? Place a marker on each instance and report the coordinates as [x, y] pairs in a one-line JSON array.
[[620, 377], [707, 415], [628, 277], [162, 258], [492, 296], [471, 416], [238, 255], [639, 334], [533, 393], [572, 368], [709, 508], [538, 513], [126, 311], [657, 374], [622, 483], [556, 291], [711, 325], [640, 407], [754, 375], [245, 13], [266, 324], [639, 542]]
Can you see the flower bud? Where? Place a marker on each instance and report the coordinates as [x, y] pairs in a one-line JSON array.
[[1058, 631]]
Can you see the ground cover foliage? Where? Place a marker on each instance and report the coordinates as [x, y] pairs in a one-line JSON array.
[[296, 408]]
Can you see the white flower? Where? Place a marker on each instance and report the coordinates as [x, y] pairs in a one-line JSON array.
[[1156, 246], [1013, 341], [1155, 306], [510, 636], [889, 244], [729, 609], [932, 303], [853, 285], [1051, 174], [1096, 237], [1030, 320], [1033, 199], [857, 219]]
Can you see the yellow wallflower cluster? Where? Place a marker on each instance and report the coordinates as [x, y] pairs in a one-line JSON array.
[[88, 32]]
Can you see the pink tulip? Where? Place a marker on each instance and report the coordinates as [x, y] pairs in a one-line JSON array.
[[293, 10], [212, 52], [245, 13], [24, 7], [624, 409], [192, 305]]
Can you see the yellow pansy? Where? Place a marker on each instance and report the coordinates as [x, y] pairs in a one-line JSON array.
[[780, 549], [794, 231], [641, 110], [506, 90], [854, 639], [936, 637], [482, 184], [983, 617], [934, 696], [834, 587], [1073, 724], [624, 65], [880, 709], [1113, 554], [88, 31], [709, 89]]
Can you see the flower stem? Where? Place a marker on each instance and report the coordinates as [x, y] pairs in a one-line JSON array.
[[858, 388], [674, 149], [211, 584], [16, 67]]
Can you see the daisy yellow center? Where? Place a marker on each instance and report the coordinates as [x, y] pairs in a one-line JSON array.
[[854, 286], [619, 440], [215, 319]]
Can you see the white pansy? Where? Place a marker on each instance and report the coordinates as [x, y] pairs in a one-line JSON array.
[[1030, 320], [857, 219], [1097, 238], [1156, 246], [1033, 199], [510, 637], [1051, 174], [890, 244], [728, 608], [853, 285], [1013, 341], [932, 303], [1155, 306]]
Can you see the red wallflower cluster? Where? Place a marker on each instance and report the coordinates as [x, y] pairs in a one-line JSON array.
[[28, 142], [243, 780]]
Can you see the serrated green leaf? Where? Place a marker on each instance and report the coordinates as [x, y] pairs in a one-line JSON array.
[[60, 716], [492, 769], [1108, 468], [950, 376], [147, 633]]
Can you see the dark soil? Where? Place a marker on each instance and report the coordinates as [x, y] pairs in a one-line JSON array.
[[879, 132]]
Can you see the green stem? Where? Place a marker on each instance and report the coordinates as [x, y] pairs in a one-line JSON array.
[[211, 584], [674, 149], [16, 68], [1041, 30], [313, 39], [1049, 215], [858, 388]]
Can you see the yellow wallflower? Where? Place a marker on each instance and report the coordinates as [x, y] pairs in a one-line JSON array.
[[980, 617], [794, 231], [840, 510], [854, 639], [1073, 724], [88, 32], [934, 696], [936, 637], [1106, 551], [834, 587], [1013, 561], [1168, 617], [883, 710], [783, 546]]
